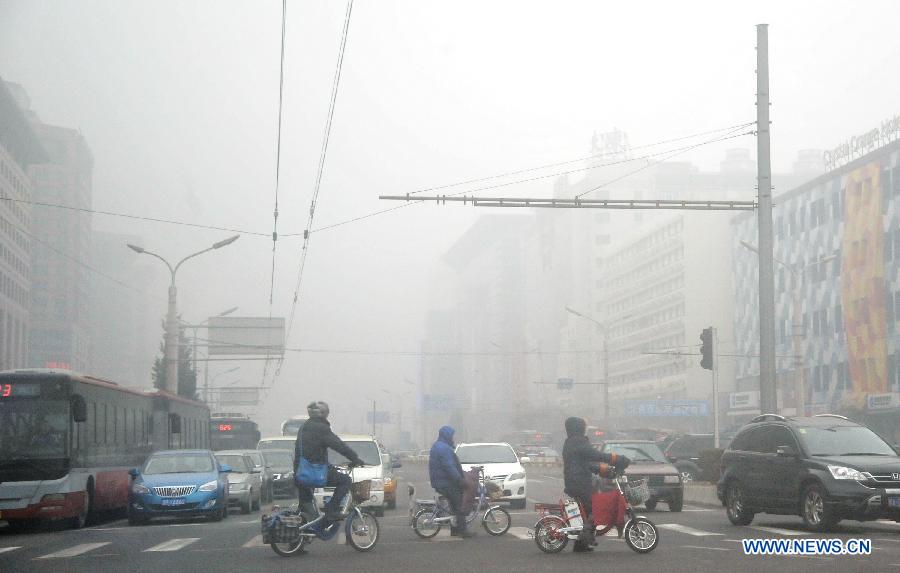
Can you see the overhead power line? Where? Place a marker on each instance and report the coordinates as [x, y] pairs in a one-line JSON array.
[[321, 169], [278, 154]]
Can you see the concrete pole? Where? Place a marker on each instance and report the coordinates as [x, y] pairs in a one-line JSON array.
[[768, 397], [715, 376], [171, 350]]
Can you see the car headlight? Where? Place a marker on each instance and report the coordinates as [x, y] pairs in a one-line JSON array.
[[239, 486], [377, 484], [672, 479], [840, 472], [140, 489], [209, 486], [516, 476]]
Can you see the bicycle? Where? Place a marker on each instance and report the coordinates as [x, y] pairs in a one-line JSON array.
[[560, 523], [289, 531], [434, 514]]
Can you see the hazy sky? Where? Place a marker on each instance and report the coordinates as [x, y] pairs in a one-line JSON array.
[[178, 102]]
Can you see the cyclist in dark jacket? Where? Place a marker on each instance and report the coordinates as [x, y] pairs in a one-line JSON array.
[[580, 460], [313, 440], [447, 477]]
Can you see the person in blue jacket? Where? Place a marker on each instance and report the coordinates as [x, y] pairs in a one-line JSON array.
[[447, 477]]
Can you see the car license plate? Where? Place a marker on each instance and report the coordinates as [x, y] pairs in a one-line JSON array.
[[894, 501], [176, 501]]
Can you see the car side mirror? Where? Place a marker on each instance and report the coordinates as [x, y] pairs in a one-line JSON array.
[[786, 451], [134, 473], [225, 468]]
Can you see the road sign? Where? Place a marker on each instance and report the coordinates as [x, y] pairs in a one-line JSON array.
[[246, 336]]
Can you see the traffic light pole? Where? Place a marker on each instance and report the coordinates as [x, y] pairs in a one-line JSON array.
[[715, 377]]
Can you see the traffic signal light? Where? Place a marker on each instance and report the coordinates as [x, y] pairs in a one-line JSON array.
[[706, 348]]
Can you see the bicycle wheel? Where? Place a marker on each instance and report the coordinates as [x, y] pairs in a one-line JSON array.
[[641, 535], [292, 548], [424, 524], [362, 532], [548, 536], [496, 521]]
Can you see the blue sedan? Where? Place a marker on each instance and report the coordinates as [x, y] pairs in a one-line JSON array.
[[178, 483]]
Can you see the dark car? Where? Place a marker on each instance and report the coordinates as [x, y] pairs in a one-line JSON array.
[[649, 463], [281, 464], [824, 468], [685, 450]]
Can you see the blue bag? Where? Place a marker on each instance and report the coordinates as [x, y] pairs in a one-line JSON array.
[[309, 474]]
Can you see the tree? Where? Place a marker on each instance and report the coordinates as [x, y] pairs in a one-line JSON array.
[[187, 375]]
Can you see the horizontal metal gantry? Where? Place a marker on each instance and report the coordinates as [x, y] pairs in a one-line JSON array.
[[579, 203]]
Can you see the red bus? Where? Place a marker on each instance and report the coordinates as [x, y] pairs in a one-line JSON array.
[[68, 440]]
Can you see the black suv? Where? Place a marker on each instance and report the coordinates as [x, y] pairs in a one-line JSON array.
[[824, 468], [685, 450]]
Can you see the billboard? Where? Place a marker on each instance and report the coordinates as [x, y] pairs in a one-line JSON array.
[[666, 408], [235, 396], [246, 336]]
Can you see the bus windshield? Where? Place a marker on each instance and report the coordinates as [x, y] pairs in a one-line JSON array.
[[33, 429]]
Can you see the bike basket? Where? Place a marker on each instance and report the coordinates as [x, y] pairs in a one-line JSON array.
[[636, 492], [361, 490], [281, 528]]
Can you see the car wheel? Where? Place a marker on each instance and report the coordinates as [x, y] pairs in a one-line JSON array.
[[815, 512], [677, 504], [134, 519], [650, 504], [245, 505], [517, 504], [736, 505], [256, 506]]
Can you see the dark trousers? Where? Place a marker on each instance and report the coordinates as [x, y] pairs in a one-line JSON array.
[[453, 493], [341, 484], [587, 533]]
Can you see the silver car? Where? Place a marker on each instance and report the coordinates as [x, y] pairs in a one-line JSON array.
[[244, 481], [265, 472]]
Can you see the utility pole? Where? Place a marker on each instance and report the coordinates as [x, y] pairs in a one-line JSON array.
[[373, 417], [715, 376], [606, 379], [768, 400]]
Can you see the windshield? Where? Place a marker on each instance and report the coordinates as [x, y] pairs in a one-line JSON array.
[[486, 454], [843, 441], [238, 463], [366, 450], [636, 452], [33, 429], [178, 464], [279, 459]]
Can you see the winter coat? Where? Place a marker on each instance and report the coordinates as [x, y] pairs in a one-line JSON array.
[[578, 457], [444, 468], [316, 437]]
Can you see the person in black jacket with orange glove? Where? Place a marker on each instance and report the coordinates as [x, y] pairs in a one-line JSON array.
[[580, 460]]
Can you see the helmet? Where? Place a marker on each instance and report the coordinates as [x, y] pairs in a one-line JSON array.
[[317, 410]]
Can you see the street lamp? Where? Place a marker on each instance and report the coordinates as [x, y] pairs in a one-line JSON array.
[[605, 330], [171, 342], [797, 272]]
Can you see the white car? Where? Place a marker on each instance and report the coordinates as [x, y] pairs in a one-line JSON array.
[[501, 466], [370, 451]]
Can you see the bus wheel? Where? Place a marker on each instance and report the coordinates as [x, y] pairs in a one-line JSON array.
[[81, 519]]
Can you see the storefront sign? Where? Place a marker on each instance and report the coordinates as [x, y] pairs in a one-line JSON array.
[[863, 143], [663, 408], [883, 401], [740, 400]]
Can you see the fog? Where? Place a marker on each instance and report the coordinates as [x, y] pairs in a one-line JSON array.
[[178, 102]]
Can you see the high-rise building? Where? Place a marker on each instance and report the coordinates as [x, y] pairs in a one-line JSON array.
[[60, 336], [19, 150]]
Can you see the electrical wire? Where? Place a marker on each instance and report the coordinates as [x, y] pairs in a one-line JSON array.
[[278, 154], [312, 208]]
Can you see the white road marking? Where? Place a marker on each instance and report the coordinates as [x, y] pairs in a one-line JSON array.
[[688, 530], [709, 548], [255, 542], [173, 544], [521, 532], [698, 509], [553, 477], [74, 550], [778, 530], [8, 549]]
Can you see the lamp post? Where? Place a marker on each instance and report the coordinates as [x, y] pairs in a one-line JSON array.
[[171, 341], [798, 334], [605, 330]]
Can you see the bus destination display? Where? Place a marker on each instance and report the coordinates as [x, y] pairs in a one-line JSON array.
[[13, 390]]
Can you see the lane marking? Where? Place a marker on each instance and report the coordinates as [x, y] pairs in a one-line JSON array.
[[520, 532], [708, 548], [173, 544], [698, 509], [74, 550], [688, 530], [778, 530], [255, 542], [553, 477], [8, 549]]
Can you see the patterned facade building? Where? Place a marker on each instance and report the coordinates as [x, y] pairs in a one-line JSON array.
[[837, 285]]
